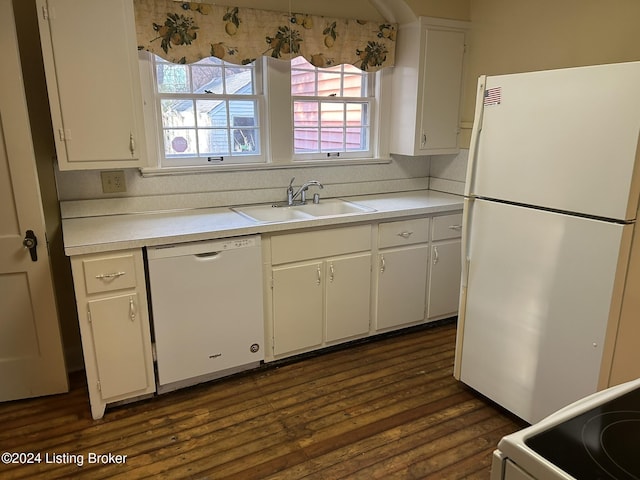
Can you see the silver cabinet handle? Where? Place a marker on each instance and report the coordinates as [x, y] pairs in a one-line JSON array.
[[435, 255], [132, 310], [319, 273], [109, 276], [383, 265], [132, 144], [455, 227], [405, 234], [331, 272]]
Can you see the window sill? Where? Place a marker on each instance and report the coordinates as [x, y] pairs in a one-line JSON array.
[[160, 171]]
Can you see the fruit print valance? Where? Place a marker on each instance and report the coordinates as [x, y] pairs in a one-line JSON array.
[[185, 32]]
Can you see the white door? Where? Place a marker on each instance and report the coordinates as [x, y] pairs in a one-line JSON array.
[[561, 139], [31, 358], [539, 294]]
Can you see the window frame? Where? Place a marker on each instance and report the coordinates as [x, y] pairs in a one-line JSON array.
[[276, 135], [368, 98], [231, 158]]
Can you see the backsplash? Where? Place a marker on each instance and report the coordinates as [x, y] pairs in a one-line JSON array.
[[448, 172], [80, 192]]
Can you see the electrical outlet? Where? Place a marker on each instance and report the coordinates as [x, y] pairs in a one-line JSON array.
[[113, 181]]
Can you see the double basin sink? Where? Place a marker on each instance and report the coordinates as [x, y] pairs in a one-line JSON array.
[[333, 207]]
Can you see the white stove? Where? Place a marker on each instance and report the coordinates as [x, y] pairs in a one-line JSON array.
[[595, 438]]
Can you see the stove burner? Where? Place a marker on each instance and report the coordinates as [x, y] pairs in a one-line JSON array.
[[602, 443], [617, 437]]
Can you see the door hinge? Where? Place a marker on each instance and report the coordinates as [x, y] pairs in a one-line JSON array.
[[99, 386], [89, 315]]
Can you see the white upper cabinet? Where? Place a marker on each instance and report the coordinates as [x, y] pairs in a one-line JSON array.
[[427, 87], [93, 80]]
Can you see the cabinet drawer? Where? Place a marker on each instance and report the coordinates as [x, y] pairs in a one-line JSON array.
[[108, 274], [403, 232], [295, 247], [446, 226]]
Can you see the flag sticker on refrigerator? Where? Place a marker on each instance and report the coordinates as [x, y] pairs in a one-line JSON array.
[[493, 96]]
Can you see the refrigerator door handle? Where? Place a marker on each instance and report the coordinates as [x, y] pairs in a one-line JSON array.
[[475, 134]]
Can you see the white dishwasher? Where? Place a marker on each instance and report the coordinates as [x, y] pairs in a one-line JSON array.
[[206, 303]]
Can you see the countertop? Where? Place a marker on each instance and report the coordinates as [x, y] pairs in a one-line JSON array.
[[118, 232]]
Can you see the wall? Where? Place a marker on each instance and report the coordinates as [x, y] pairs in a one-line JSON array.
[[509, 36]]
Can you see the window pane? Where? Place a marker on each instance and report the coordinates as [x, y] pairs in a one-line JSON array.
[[212, 113], [305, 114], [207, 79], [177, 113], [179, 142], [306, 140], [239, 81], [356, 114], [242, 112], [213, 141], [357, 139], [332, 114], [329, 84], [245, 140], [332, 139], [173, 78], [303, 82]]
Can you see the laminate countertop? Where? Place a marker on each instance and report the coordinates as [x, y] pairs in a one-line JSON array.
[[123, 231]]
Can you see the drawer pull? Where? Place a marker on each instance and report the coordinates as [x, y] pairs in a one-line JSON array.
[[332, 273], [436, 257], [319, 276], [405, 234], [110, 276], [383, 265], [455, 227]]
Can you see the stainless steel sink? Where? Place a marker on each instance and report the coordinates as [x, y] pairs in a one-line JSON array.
[[333, 207]]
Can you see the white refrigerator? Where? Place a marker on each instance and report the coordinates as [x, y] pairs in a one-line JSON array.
[[550, 206]]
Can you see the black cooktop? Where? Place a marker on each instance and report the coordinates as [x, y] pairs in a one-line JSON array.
[[602, 443]]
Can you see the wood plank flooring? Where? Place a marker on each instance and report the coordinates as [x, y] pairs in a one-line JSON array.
[[388, 409]]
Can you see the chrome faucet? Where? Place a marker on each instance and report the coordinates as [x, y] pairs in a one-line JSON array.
[[302, 192]]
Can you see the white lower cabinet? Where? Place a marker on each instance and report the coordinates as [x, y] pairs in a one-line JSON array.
[[347, 297], [114, 323], [444, 279], [445, 268], [402, 267], [297, 307], [320, 288], [402, 286]]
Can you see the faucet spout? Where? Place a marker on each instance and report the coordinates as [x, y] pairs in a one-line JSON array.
[[302, 191]]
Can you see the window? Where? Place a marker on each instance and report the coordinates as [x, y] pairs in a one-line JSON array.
[[331, 111], [209, 112], [270, 113]]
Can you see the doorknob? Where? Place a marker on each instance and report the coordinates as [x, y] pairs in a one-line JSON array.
[[31, 242]]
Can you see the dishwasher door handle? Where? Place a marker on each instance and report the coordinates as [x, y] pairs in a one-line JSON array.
[[207, 255]]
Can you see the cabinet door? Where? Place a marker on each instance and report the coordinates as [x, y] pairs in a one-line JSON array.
[[348, 296], [442, 86], [93, 79], [116, 327], [297, 307], [402, 282], [444, 279]]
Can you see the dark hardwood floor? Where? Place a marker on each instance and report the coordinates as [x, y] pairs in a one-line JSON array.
[[387, 409]]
